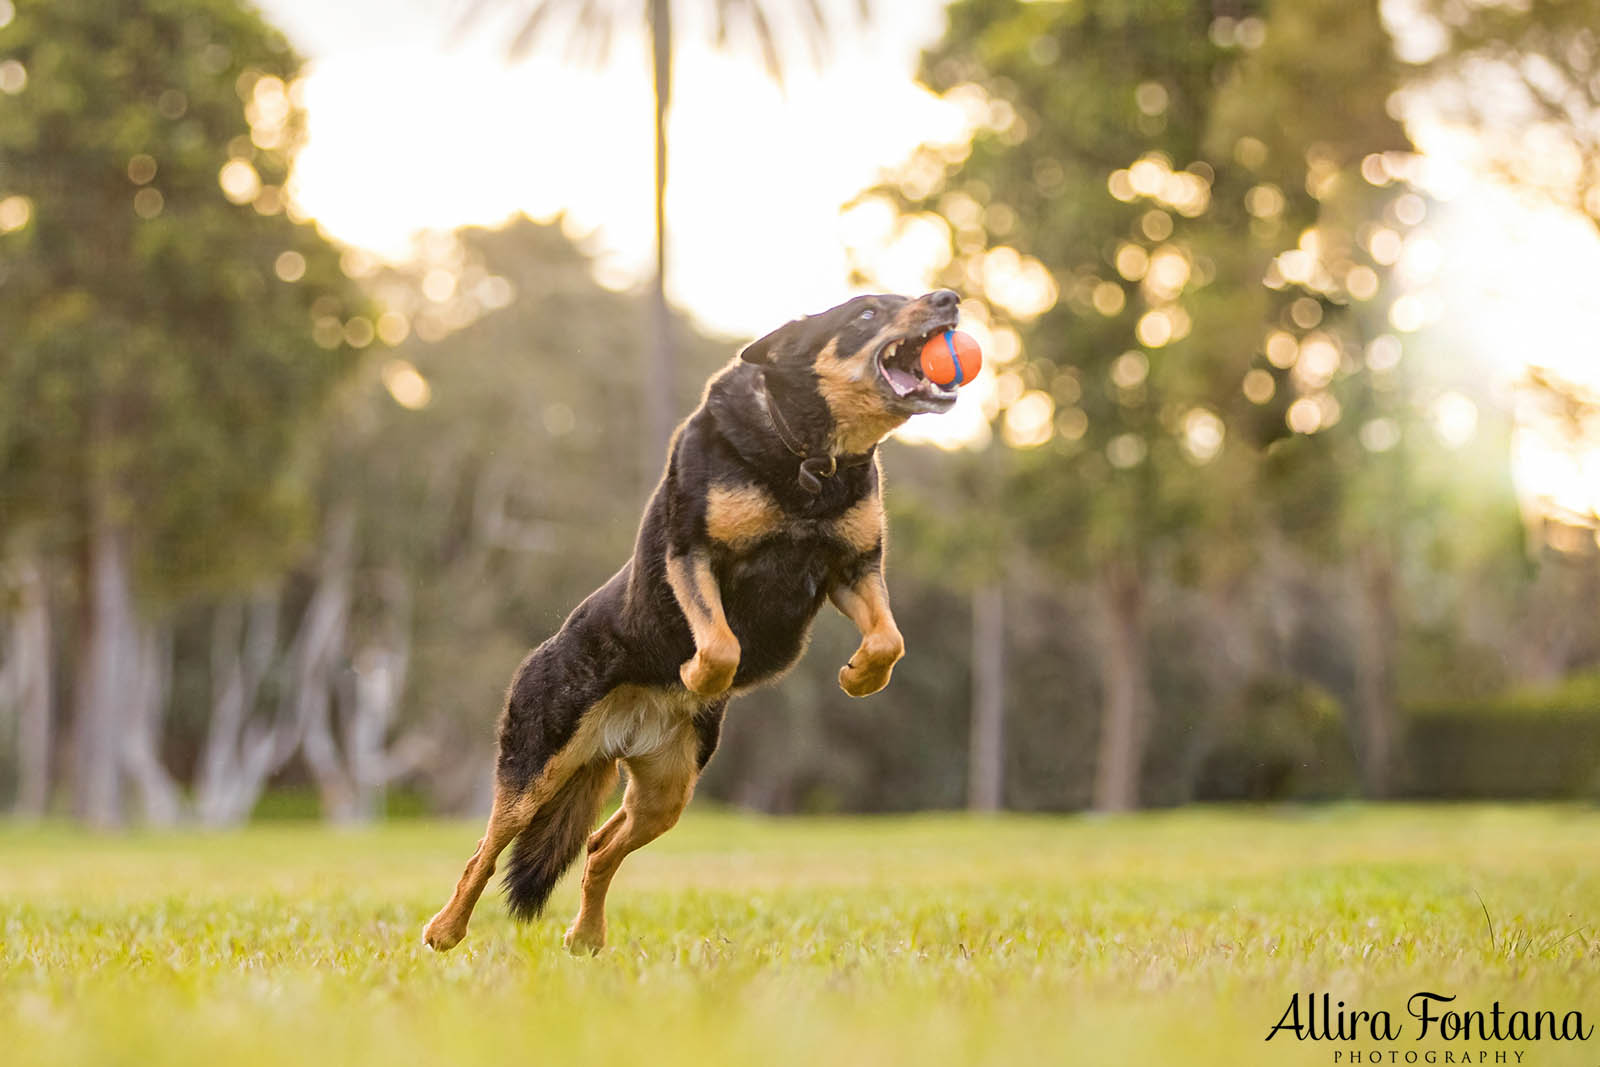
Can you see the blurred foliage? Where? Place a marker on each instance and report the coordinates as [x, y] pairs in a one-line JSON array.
[[1524, 77], [505, 493], [1138, 171], [1529, 743], [1284, 740], [156, 363]]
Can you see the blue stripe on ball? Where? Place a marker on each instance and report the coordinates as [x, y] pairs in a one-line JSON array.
[[950, 343]]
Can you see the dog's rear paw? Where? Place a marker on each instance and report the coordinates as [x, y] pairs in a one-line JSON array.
[[709, 675], [586, 939], [442, 933]]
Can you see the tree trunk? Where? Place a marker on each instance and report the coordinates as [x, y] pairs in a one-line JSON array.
[[1124, 684], [659, 381], [1376, 634], [143, 709], [987, 754], [373, 702], [351, 760], [317, 649], [29, 659], [108, 663], [240, 754]]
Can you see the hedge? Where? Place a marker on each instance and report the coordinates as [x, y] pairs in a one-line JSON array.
[[1533, 744]]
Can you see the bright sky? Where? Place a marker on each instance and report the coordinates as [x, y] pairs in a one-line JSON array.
[[410, 131], [407, 132]]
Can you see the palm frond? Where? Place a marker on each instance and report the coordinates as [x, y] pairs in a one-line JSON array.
[[766, 40], [525, 37], [592, 33], [470, 10], [593, 26], [816, 26]]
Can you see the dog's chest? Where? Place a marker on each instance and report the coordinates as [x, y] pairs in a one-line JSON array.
[[746, 522]]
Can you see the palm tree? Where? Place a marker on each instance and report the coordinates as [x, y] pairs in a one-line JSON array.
[[590, 25]]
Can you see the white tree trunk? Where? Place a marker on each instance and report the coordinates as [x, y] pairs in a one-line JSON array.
[[142, 714], [318, 647], [107, 670], [351, 759], [372, 702], [241, 752], [986, 752], [28, 687]]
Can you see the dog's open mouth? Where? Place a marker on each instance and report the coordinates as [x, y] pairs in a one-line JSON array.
[[900, 368]]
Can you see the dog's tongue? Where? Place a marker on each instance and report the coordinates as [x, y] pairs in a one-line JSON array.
[[902, 382]]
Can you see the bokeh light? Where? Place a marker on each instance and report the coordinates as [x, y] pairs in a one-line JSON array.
[[1455, 418], [239, 181], [1028, 420], [406, 384], [290, 266], [1304, 415], [1259, 386], [1380, 435], [1203, 435], [15, 211], [1126, 450], [148, 202], [13, 77]]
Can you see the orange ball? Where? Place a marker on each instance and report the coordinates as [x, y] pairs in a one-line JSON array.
[[951, 358]]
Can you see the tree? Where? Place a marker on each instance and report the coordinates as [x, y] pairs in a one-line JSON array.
[[171, 332], [592, 25], [1113, 213], [1073, 95], [1525, 78], [468, 468]]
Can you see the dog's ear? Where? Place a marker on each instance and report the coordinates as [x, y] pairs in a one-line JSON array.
[[766, 351]]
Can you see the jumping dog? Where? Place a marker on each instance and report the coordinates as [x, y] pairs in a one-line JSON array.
[[770, 503]]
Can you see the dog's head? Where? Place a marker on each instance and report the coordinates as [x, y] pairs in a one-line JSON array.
[[865, 359]]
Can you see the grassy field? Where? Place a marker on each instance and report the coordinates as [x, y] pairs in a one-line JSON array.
[[1169, 938]]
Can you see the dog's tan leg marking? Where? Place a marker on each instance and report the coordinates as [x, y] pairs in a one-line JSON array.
[[866, 603], [507, 818], [510, 814], [716, 657], [659, 787]]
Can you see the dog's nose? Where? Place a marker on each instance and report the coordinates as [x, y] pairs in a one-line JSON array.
[[944, 299]]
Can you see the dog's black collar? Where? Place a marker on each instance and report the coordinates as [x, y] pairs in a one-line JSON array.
[[813, 468]]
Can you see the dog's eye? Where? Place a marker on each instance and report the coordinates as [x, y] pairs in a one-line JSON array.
[[867, 314]]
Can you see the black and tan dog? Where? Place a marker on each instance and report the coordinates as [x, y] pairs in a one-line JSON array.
[[769, 505]]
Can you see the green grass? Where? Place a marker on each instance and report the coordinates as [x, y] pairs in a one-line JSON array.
[[1154, 939]]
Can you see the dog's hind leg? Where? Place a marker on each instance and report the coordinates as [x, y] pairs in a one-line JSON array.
[[508, 817], [550, 820], [659, 787]]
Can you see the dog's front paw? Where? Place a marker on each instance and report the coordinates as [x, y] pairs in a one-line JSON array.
[[864, 681], [710, 672], [443, 932], [869, 669]]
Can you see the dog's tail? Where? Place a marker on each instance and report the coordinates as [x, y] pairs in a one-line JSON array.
[[543, 852]]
